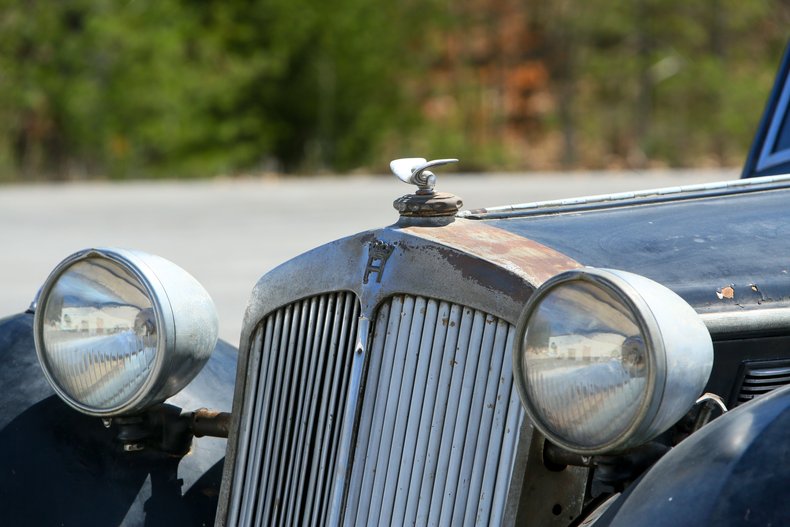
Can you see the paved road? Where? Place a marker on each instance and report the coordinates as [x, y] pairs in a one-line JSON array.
[[229, 232]]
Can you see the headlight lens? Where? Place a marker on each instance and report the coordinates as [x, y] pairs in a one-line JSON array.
[[117, 330], [605, 360]]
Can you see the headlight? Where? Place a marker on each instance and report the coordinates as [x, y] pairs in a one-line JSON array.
[[117, 330], [606, 360]]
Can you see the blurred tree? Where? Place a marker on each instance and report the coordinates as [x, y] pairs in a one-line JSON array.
[[200, 87], [173, 87]]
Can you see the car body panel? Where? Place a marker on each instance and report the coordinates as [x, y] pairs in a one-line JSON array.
[[718, 253], [731, 472], [48, 449]]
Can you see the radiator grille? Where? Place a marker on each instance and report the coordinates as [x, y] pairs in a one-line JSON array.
[[299, 371], [760, 377], [439, 421]]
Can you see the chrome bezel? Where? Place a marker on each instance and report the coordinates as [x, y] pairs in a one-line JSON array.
[[654, 346], [154, 290]]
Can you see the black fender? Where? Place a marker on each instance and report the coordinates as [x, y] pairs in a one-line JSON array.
[[734, 471], [61, 467]]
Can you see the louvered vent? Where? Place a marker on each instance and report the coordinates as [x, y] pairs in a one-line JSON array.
[[299, 373], [760, 377], [439, 421]]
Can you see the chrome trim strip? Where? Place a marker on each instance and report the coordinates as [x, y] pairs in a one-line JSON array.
[[625, 198], [723, 324]]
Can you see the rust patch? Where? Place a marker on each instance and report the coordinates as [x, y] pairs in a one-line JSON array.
[[725, 292], [527, 258]]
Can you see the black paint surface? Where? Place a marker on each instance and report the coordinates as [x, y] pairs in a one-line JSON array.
[[695, 247], [732, 472], [60, 467]]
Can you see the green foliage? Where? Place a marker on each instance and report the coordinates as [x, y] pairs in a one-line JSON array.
[[177, 87], [184, 87]]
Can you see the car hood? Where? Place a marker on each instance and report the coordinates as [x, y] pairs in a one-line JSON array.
[[721, 248]]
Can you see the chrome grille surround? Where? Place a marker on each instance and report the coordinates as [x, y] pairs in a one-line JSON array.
[[418, 265]]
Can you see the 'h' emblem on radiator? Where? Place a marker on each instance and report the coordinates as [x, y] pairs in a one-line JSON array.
[[378, 253]]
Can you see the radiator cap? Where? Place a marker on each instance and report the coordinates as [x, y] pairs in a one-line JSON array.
[[425, 202]]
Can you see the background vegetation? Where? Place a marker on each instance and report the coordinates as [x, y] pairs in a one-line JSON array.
[[139, 88]]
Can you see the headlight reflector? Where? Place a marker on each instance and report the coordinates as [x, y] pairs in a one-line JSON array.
[[606, 360], [118, 330]]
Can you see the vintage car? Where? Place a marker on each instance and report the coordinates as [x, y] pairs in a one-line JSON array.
[[603, 360]]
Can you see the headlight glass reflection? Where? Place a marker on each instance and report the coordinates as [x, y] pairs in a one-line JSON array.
[[100, 333], [585, 361]]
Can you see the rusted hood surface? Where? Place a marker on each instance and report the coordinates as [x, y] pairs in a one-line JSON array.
[[719, 253]]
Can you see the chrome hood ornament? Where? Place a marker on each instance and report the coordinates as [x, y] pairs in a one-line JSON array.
[[425, 202], [414, 171]]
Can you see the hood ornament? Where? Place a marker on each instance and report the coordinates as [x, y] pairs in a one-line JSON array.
[[414, 171], [425, 202]]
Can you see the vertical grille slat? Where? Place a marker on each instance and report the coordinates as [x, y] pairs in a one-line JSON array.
[[326, 350], [422, 463], [296, 335], [446, 373], [296, 462], [444, 458], [296, 388], [438, 427], [488, 450], [342, 372], [476, 416], [389, 380], [252, 394], [411, 458], [409, 342], [316, 337], [261, 415], [273, 437]]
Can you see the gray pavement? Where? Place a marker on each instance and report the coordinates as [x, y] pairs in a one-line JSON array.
[[228, 232]]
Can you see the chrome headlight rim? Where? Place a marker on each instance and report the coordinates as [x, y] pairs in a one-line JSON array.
[[154, 290], [614, 284]]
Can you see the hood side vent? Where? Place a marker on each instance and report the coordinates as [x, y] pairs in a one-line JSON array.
[[760, 377]]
